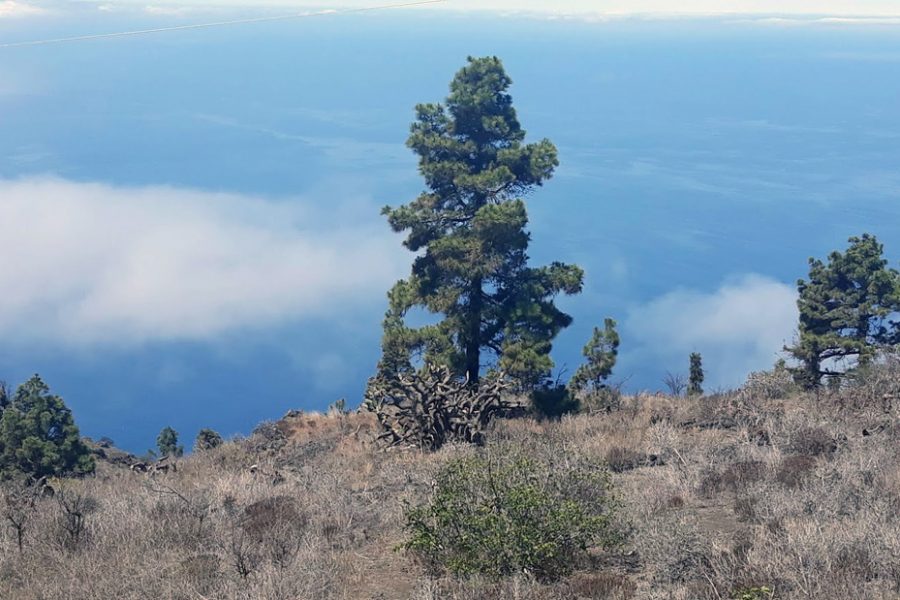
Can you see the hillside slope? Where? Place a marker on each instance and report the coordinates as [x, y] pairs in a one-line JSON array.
[[759, 487]]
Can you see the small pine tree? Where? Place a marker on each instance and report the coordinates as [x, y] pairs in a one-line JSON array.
[[207, 439], [600, 354], [38, 435], [167, 443], [397, 338], [695, 383]]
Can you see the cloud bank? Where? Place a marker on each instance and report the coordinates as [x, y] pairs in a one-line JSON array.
[[12, 8], [777, 12], [90, 264], [609, 8], [613, 8], [738, 328]]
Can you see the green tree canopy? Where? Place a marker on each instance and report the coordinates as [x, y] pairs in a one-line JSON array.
[[847, 311], [600, 358], [469, 231], [167, 443], [38, 435]]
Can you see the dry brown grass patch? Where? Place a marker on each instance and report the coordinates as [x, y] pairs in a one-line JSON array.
[[781, 491]]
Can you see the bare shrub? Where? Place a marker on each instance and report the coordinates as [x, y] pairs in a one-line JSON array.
[[671, 549], [605, 399], [277, 525], [268, 437], [770, 385], [200, 572], [675, 383], [734, 477], [19, 506], [601, 586], [72, 518], [877, 385], [191, 506], [430, 408], [745, 508], [812, 441], [794, 470], [243, 550], [622, 459]]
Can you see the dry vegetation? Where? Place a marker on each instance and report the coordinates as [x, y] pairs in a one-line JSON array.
[[758, 487]]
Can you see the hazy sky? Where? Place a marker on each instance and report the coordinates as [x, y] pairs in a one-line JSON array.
[[595, 8], [696, 7]]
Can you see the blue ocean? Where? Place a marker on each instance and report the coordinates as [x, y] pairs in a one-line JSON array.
[[702, 163]]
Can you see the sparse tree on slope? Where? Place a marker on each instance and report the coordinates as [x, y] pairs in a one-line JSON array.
[[846, 310], [397, 339], [695, 380], [600, 354], [167, 443], [207, 439], [38, 435], [469, 228]]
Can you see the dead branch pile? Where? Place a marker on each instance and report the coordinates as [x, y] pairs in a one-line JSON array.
[[431, 407]]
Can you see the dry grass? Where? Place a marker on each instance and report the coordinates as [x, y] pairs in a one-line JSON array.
[[759, 487]]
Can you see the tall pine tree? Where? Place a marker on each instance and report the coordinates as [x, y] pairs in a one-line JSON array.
[[469, 231], [847, 308]]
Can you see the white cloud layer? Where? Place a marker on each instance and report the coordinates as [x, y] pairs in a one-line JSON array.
[[609, 8], [693, 8], [12, 8], [739, 328], [91, 264]]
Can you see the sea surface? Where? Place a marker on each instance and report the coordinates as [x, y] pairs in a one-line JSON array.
[[702, 163]]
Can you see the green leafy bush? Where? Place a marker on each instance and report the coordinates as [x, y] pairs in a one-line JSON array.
[[756, 593], [554, 401], [506, 511]]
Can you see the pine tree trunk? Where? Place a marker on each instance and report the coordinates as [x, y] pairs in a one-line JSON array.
[[473, 343]]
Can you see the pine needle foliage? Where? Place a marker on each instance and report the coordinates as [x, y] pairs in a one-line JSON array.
[[600, 355], [696, 375], [38, 436], [848, 309], [469, 231]]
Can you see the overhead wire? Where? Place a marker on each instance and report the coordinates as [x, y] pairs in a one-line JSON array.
[[321, 13]]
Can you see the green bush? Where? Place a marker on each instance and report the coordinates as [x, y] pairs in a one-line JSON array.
[[756, 593], [504, 511], [554, 401], [207, 439]]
